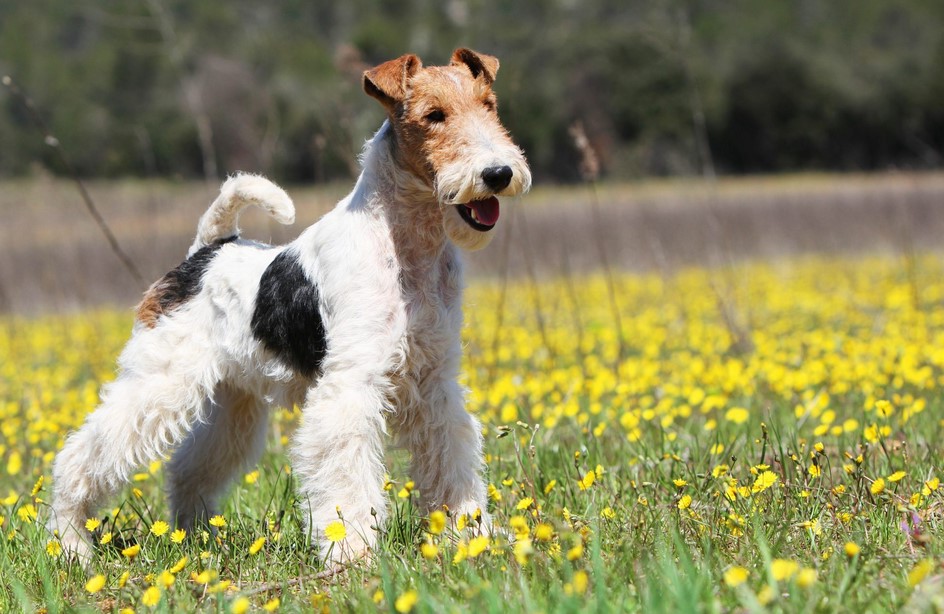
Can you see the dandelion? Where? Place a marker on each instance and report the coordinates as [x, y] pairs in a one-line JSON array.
[[429, 550], [920, 571], [335, 531], [437, 522], [14, 463], [53, 548], [406, 602], [737, 415], [930, 486], [105, 538], [575, 553], [783, 569], [543, 532], [806, 577], [766, 594], [151, 596], [257, 545], [123, 579], [179, 565], [764, 481], [406, 490], [38, 486], [897, 476], [95, 584], [580, 581], [478, 545], [520, 526], [159, 528], [131, 551], [218, 521], [240, 605], [178, 536], [735, 576], [587, 480], [272, 605], [525, 503], [685, 502], [851, 549], [877, 486], [92, 523]]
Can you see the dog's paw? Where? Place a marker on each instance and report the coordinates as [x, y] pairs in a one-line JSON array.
[[75, 543], [345, 547]]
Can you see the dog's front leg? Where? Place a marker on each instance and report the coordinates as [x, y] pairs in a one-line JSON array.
[[446, 445], [338, 459]]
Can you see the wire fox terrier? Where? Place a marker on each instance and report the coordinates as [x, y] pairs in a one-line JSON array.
[[357, 321]]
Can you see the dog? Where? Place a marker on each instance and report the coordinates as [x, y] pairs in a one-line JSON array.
[[357, 321]]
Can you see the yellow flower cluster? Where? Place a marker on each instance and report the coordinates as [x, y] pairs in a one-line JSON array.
[[717, 397]]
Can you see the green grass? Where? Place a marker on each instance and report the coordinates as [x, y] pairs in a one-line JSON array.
[[800, 413]]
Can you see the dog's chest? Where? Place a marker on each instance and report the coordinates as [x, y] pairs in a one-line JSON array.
[[431, 302]]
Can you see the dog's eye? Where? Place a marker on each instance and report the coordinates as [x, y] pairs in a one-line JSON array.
[[436, 117]]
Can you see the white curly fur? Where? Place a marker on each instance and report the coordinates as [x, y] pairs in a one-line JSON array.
[[198, 385]]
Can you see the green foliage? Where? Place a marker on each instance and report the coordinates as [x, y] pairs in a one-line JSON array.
[[126, 85]]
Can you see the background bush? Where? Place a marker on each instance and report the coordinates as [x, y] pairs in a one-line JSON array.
[[201, 88]]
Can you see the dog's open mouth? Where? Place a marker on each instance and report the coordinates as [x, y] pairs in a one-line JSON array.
[[481, 214]]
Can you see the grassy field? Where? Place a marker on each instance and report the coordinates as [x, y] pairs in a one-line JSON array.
[[745, 416], [758, 437]]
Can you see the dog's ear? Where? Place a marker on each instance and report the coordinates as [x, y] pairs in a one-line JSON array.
[[387, 82], [478, 63]]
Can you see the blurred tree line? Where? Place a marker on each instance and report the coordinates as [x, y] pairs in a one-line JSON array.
[[196, 88]]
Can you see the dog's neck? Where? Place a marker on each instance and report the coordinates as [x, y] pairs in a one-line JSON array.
[[404, 201]]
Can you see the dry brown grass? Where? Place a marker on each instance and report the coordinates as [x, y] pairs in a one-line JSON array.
[[52, 257]]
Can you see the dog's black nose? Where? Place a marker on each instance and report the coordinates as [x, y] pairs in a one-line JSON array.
[[497, 177]]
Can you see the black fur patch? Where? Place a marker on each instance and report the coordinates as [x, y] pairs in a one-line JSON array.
[[179, 285], [286, 319]]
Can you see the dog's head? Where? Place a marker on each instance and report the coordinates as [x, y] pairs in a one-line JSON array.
[[447, 133]]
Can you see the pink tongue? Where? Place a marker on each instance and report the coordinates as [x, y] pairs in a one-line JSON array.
[[486, 211]]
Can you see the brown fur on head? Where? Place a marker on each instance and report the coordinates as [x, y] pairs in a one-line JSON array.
[[422, 102], [446, 133]]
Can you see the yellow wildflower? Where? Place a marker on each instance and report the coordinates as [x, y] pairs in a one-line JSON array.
[[151, 596], [257, 545], [437, 522], [336, 531], [735, 576], [783, 569], [406, 602]]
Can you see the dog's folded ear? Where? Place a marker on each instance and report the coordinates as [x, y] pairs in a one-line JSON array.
[[387, 82], [478, 63]]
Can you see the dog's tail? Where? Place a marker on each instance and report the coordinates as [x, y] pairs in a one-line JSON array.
[[237, 193]]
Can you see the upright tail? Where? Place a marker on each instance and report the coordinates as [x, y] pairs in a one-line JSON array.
[[237, 193]]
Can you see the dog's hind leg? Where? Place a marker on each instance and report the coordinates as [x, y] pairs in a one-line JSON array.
[[158, 396], [229, 440]]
